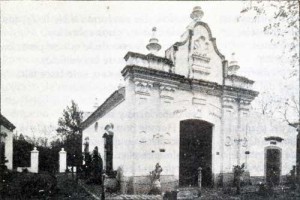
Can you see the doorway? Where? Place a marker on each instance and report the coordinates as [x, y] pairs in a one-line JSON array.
[[195, 151], [273, 165]]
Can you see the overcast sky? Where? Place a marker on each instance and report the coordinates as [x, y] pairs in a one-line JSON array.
[[53, 52]]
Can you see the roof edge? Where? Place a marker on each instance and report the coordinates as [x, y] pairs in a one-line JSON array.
[[114, 99], [6, 123], [148, 57]]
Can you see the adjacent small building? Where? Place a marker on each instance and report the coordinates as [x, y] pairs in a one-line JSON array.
[[186, 110], [6, 141]]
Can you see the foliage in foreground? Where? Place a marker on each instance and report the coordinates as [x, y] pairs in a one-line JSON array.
[[68, 129], [27, 185], [238, 172], [93, 167]]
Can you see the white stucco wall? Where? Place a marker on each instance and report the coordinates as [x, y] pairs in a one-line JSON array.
[[261, 127], [121, 117], [157, 120], [148, 121]]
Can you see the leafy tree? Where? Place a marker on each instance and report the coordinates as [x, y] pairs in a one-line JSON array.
[[282, 24], [48, 159], [69, 123], [267, 103], [22, 148], [280, 20], [289, 110], [69, 129]]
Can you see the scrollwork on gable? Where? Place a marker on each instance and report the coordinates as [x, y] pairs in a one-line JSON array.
[[200, 60], [201, 46]]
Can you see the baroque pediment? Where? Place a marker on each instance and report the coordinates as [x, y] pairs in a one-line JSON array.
[[197, 56]]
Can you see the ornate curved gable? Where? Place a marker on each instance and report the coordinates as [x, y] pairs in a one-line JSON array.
[[210, 38], [196, 56]]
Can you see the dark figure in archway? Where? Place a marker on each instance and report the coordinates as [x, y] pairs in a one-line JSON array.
[[97, 165]]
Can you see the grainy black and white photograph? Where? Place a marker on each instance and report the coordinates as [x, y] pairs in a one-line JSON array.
[[150, 100]]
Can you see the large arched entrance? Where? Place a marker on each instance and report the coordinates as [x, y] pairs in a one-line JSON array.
[[195, 152]]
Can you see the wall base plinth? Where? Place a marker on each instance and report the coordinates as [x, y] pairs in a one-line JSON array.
[[142, 184]]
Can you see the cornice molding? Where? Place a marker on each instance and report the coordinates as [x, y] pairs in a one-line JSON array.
[[148, 57], [173, 81], [136, 70], [240, 93], [274, 138], [239, 78], [211, 88]]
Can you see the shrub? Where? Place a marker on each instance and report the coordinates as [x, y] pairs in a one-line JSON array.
[[95, 169], [264, 190], [4, 176], [25, 170], [28, 185], [238, 172]]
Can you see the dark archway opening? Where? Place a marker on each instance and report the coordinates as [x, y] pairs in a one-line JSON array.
[[195, 152], [273, 166]]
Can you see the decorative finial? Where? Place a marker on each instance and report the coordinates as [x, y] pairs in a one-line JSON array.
[[233, 65], [233, 60], [197, 13], [153, 30], [153, 45]]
